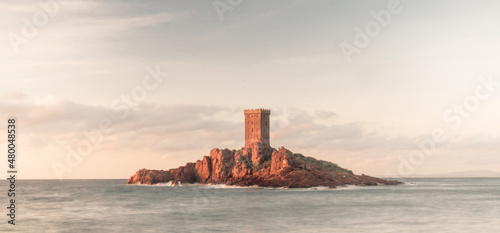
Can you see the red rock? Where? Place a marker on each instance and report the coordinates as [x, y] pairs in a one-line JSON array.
[[273, 168], [203, 169]]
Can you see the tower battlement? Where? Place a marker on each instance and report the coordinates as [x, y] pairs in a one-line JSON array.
[[258, 110], [257, 127]]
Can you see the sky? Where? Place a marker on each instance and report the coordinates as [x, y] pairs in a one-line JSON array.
[[100, 89]]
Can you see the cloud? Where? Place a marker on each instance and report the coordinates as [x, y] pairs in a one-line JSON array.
[[110, 25], [178, 127], [13, 95], [181, 133], [323, 114], [173, 128], [302, 130]]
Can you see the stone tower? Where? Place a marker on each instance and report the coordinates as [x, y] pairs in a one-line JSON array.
[[257, 127]]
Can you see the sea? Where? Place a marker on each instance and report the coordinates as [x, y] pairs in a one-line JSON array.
[[420, 205]]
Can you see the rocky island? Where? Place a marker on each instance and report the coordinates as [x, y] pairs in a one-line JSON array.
[[258, 164]]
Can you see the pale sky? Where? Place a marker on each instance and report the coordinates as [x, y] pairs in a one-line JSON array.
[[72, 68]]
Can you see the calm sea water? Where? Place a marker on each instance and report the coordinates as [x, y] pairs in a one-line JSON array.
[[421, 205]]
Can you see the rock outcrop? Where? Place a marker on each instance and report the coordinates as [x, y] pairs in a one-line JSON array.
[[258, 165]]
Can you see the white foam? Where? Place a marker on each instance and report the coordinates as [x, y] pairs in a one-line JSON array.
[[170, 183], [348, 187], [224, 186], [320, 188]]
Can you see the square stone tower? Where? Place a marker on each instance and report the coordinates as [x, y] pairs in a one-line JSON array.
[[257, 127]]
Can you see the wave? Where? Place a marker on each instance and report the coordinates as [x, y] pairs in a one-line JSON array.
[[349, 187], [225, 186], [170, 183]]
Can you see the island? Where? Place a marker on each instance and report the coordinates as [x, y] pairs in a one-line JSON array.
[[258, 164]]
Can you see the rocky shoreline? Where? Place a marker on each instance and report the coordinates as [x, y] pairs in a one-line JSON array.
[[258, 166]]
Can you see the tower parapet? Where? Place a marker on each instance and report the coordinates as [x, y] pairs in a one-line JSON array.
[[257, 127], [257, 110]]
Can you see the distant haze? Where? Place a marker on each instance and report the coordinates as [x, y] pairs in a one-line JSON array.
[[476, 173]]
